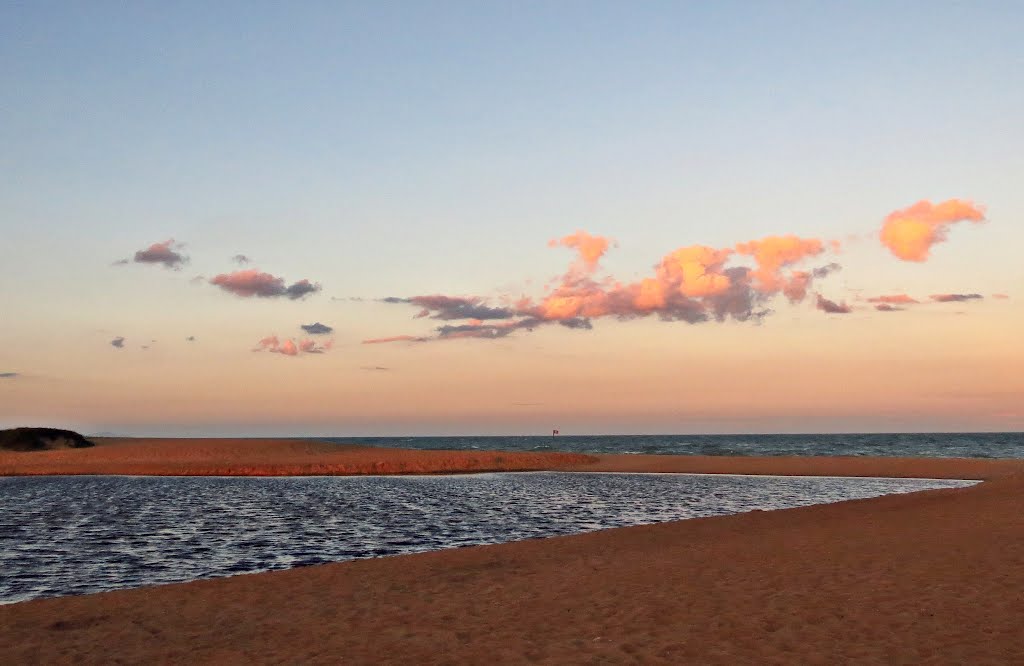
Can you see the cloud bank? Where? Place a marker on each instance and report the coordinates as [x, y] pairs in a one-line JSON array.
[[693, 284]]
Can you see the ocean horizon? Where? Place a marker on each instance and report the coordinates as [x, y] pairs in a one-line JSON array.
[[923, 445]]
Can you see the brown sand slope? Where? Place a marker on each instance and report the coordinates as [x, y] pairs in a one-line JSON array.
[[265, 457], [933, 577]]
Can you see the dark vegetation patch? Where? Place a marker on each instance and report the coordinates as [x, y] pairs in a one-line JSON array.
[[41, 439]]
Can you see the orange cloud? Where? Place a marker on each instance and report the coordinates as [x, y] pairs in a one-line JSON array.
[[774, 253], [910, 233], [695, 271], [589, 248]]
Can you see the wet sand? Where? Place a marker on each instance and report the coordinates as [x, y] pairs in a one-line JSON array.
[[931, 577]]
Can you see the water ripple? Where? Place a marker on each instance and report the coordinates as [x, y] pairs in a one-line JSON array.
[[76, 535]]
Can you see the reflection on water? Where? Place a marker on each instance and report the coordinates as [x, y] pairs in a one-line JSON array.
[[75, 535]]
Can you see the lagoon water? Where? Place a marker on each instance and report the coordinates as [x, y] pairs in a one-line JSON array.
[[77, 535]]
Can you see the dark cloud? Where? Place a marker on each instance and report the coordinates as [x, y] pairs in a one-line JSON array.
[[374, 368], [190, 338], [316, 328], [472, 331], [252, 282], [955, 298], [241, 259], [454, 307], [395, 338], [826, 270], [9, 375], [577, 322], [162, 253], [487, 331], [118, 342], [120, 262], [300, 289], [885, 307], [832, 307]]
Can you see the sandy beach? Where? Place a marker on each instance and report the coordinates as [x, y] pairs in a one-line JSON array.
[[265, 457], [931, 577]]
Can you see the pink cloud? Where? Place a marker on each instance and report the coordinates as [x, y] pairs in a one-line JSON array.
[[589, 248], [289, 347], [161, 253], [252, 282], [894, 299]]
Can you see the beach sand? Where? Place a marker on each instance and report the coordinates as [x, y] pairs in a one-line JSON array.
[[931, 577], [265, 457]]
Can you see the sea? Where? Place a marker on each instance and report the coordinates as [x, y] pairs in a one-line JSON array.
[[928, 445]]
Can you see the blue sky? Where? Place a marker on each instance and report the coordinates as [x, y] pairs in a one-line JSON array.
[[405, 148]]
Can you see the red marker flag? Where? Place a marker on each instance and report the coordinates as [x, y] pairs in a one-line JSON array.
[[554, 432]]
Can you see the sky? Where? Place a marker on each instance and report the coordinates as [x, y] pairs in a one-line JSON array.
[[503, 218]]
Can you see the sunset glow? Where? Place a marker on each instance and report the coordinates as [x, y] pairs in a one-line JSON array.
[[509, 219]]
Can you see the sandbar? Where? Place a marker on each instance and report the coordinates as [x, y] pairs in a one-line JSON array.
[[266, 457]]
